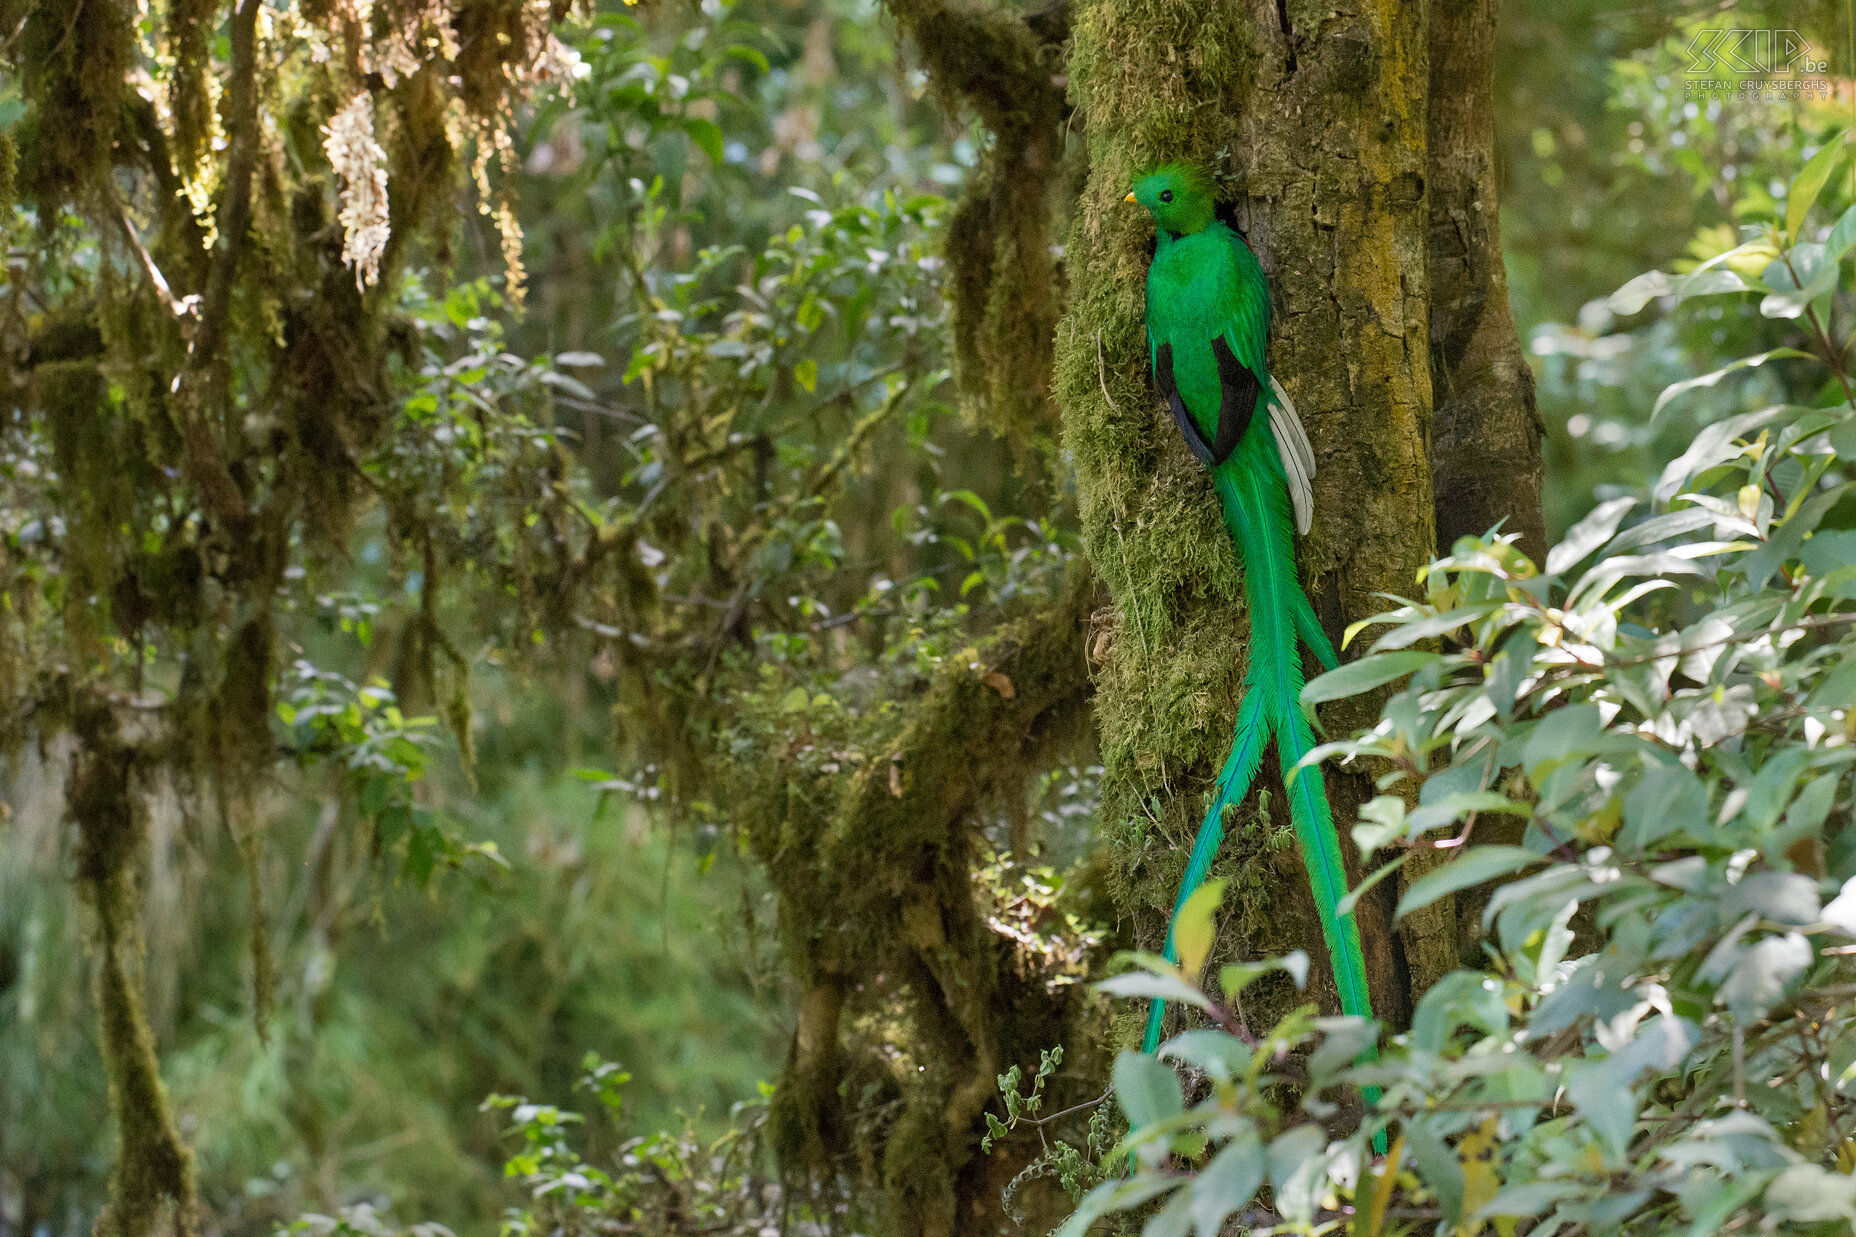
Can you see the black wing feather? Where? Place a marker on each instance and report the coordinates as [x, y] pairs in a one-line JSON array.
[[1241, 386]]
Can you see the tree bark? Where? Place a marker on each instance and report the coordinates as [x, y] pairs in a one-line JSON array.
[[1485, 442]]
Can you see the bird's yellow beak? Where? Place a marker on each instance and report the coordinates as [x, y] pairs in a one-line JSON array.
[[1129, 198]]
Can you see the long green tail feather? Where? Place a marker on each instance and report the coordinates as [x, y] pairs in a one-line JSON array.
[[1254, 494]]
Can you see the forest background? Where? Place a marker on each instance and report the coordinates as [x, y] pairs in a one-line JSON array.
[[487, 870]]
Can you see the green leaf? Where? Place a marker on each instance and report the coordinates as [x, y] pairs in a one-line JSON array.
[[1228, 1183], [1345, 905], [707, 135], [1113, 1196], [1406, 634], [805, 373], [1238, 976], [1811, 808], [1588, 534], [1221, 1055], [1532, 1199], [1292, 1149], [1762, 974], [1147, 1090], [1364, 675], [1606, 1103], [1798, 278], [1172, 1220], [1437, 1167], [1346, 1038], [753, 55], [1712, 446], [1708, 279], [1665, 800], [1477, 864], [1675, 389], [1561, 735], [1762, 563], [1382, 820], [1458, 804], [1155, 987], [1810, 182], [1783, 897], [1634, 295], [1841, 237], [1193, 926], [1811, 1194]]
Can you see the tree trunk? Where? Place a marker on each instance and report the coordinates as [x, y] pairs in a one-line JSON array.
[[1314, 119], [1485, 441]]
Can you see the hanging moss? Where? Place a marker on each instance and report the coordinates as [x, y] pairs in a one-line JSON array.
[[86, 446], [73, 58], [1003, 278], [491, 34], [210, 408]]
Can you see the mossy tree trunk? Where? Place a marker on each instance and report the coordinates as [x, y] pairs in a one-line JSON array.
[[152, 1188], [913, 1001], [1321, 124]]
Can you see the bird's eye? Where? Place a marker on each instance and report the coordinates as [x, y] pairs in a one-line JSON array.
[[1166, 195]]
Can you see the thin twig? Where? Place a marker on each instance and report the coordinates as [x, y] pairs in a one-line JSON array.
[[182, 308], [1102, 372], [1831, 355]]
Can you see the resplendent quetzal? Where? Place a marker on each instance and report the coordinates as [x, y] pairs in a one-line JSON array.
[[1208, 321]]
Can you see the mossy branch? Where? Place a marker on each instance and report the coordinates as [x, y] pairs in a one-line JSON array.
[[882, 884], [241, 164], [151, 1188]]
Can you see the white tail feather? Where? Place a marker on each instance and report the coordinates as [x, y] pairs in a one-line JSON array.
[[1298, 457]]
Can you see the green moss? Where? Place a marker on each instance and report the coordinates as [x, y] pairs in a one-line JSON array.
[[9, 180], [913, 1007], [190, 32]]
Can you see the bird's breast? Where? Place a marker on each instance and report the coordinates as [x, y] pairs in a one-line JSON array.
[[1191, 290]]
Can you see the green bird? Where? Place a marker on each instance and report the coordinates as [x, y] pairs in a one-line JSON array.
[[1208, 321]]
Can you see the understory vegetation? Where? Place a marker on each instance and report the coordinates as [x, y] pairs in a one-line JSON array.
[[601, 630]]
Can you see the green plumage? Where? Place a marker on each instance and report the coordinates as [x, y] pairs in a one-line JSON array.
[[1208, 312]]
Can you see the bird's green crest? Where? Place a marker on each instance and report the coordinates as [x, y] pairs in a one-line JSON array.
[[1178, 196]]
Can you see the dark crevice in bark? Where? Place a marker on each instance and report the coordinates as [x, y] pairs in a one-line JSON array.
[[1288, 35]]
